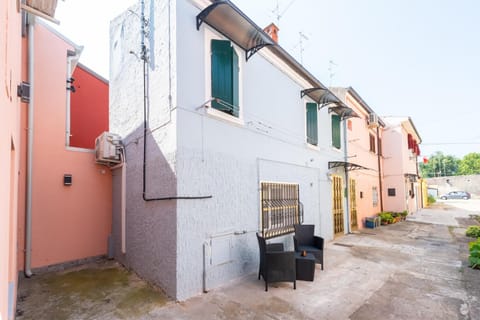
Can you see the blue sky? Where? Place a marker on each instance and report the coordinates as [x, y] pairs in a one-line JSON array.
[[404, 57]]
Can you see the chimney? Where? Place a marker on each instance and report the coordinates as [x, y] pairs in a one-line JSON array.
[[272, 31]]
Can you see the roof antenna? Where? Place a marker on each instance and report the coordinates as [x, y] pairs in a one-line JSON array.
[[302, 48], [279, 14], [331, 64]]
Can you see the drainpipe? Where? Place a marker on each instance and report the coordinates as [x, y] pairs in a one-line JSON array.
[[379, 159], [345, 154], [123, 206], [28, 213]]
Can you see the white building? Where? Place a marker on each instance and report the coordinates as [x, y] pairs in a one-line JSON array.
[[228, 114]]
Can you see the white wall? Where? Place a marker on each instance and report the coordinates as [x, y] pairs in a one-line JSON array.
[[228, 160], [151, 232], [194, 153]]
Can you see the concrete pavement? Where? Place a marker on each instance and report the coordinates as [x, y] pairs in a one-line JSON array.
[[408, 270]]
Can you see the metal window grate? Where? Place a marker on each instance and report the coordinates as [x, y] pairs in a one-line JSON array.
[[281, 208]]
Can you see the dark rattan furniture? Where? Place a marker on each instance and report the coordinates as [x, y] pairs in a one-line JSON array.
[[305, 240], [305, 266], [276, 265]]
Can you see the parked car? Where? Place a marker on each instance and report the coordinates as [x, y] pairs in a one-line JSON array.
[[456, 195]]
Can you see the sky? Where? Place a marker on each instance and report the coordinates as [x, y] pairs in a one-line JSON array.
[[403, 57]]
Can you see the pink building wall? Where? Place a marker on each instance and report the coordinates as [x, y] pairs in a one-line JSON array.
[[68, 222], [10, 106], [358, 135], [399, 161]]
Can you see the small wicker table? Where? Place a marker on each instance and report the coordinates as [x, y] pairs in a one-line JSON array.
[[305, 266]]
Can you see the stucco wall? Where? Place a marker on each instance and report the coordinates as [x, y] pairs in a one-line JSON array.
[[358, 136], [68, 222], [151, 233], [228, 160], [399, 162], [469, 183], [88, 108], [10, 106], [193, 153]]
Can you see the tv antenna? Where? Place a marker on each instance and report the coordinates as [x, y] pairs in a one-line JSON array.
[[279, 13], [331, 74], [302, 37]]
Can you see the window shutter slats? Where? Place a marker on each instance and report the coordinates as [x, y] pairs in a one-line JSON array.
[[222, 75], [235, 84], [312, 124], [336, 136]]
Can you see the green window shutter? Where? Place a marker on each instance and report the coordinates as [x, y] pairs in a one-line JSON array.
[[336, 131], [235, 71], [312, 125], [224, 61]]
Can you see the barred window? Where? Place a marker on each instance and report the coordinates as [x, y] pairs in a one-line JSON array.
[[281, 208]]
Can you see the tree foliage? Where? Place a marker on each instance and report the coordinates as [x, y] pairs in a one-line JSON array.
[[470, 164], [440, 165]]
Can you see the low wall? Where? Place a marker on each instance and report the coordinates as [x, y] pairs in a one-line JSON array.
[[470, 183]]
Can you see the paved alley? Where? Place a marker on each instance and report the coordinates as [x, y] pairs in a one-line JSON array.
[[409, 270]]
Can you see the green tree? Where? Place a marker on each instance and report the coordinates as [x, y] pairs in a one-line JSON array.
[[470, 164], [440, 165]]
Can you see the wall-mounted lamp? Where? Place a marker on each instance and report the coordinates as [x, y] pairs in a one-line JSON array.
[[67, 179]]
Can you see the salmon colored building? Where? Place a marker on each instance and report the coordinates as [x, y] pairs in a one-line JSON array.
[[55, 201], [364, 136], [402, 187], [10, 143], [70, 194]]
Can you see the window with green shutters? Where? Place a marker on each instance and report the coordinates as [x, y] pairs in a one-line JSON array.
[[336, 137], [312, 124], [224, 62]]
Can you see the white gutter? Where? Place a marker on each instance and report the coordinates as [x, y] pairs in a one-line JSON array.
[[67, 120], [28, 213]]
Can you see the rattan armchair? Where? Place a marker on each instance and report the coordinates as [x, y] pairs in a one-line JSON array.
[[305, 240], [276, 265]]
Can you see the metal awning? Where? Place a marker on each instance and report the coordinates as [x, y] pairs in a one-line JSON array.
[[325, 97], [347, 165], [343, 111], [226, 18], [411, 177]]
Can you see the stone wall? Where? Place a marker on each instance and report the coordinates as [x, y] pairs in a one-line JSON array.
[[470, 183]]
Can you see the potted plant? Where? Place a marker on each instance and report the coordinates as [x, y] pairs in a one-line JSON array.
[[396, 217], [474, 258], [404, 215], [386, 217]]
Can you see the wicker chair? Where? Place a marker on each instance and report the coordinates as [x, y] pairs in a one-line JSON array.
[[305, 240], [276, 265]]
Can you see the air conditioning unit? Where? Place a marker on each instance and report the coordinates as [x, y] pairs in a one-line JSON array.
[[108, 148], [372, 120]]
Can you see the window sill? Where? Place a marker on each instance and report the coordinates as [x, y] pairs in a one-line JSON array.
[[214, 113], [312, 146]]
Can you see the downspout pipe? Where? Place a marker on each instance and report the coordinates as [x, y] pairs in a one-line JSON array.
[[347, 185], [31, 104], [379, 160], [146, 105], [123, 215]]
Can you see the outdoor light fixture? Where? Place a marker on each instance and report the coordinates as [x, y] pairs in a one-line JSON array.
[[67, 179]]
